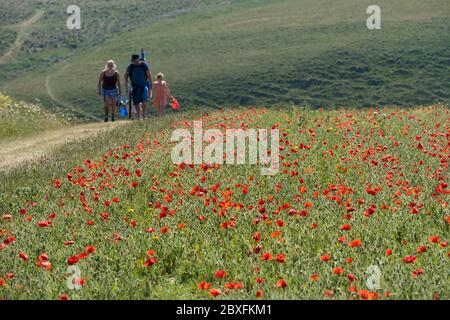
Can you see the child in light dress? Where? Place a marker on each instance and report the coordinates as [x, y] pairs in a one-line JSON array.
[[161, 94]]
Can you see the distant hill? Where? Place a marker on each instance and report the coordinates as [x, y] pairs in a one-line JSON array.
[[257, 52]]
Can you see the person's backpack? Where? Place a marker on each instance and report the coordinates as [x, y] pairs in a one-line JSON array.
[[132, 66]]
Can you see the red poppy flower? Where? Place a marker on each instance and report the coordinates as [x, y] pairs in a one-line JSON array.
[[43, 224], [308, 205], [422, 249], [73, 260], [417, 272], [370, 211], [64, 297], [388, 252], [338, 270], [23, 256], [203, 285], [280, 223], [164, 230], [150, 262], [281, 283], [367, 295], [215, 292], [79, 281], [325, 258], [328, 293], [257, 236], [434, 239], [314, 277], [355, 243], [220, 274], [266, 256], [43, 262], [233, 285], [409, 259], [90, 249], [57, 183], [259, 280], [259, 293], [281, 258], [9, 240]]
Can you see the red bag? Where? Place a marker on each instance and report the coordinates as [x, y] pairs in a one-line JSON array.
[[175, 104]]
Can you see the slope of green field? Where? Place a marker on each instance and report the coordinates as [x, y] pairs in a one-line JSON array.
[[306, 52], [357, 191], [49, 41], [19, 119]]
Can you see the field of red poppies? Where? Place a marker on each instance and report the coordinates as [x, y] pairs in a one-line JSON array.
[[358, 210]]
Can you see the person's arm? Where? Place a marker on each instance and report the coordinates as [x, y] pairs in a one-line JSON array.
[[168, 91], [126, 80], [119, 84], [100, 81], [149, 76]]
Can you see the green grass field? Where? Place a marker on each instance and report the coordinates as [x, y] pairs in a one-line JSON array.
[[353, 186], [285, 52]]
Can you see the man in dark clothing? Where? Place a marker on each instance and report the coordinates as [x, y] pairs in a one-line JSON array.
[[140, 76]]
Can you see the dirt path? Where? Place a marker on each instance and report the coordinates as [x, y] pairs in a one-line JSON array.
[[21, 32], [14, 153]]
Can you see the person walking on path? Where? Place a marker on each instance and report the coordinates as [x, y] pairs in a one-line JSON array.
[[139, 74], [109, 88], [162, 94]]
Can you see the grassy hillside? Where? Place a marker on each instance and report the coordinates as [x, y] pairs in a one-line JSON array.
[[274, 52], [19, 119], [49, 41], [356, 189]]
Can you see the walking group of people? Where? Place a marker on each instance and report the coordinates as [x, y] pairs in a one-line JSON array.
[[143, 88]]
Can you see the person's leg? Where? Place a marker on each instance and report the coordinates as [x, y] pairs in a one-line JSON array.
[[107, 100], [144, 108], [164, 106], [138, 110], [113, 107], [136, 102], [145, 95]]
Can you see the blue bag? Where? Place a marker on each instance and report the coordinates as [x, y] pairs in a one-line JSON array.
[[123, 111]]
